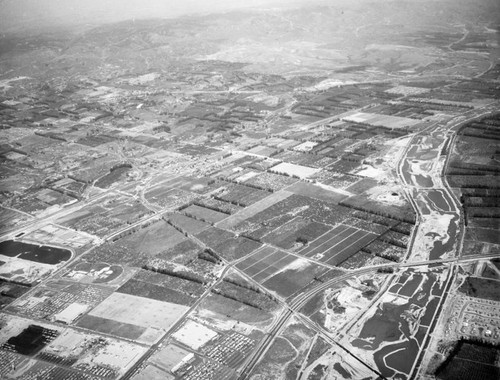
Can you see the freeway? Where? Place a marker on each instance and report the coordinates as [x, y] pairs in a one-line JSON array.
[[294, 306], [420, 170], [433, 199]]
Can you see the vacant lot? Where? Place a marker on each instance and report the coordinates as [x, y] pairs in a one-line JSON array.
[[139, 311], [293, 170]]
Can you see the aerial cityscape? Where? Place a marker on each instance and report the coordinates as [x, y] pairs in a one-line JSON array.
[[275, 189]]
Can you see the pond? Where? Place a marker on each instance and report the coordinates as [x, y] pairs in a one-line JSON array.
[[32, 252]]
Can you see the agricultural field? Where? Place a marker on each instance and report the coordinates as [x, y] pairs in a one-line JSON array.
[[133, 317], [185, 223], [117, 174], [482, 288], [218, 205], [168, 198], [186, 255], [10, 292], [136, 246], [474, 171], [281, 272], [38, 202], [11, 218], [337, 245], [168, 357], [264, 222], [471, 359], [204, 214], [254, 209], [270, 181], [105, 216], [296, 233], [385, 250], [363, 259], [173, 287], [227, 244], [235, 287], [240, 195]]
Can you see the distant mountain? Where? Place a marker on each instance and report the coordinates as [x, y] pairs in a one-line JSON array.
[[17, 15], [377, 36]]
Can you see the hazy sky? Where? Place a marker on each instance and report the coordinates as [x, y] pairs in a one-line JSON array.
[[26, 14]]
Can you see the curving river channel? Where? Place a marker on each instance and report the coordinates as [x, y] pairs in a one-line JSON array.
[[439, 215], [398, 326]]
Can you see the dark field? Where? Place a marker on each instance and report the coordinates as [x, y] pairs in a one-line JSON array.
[[470, 360], [163, 287], [108, 326], [114, 175], [481, 288], [31, 340]]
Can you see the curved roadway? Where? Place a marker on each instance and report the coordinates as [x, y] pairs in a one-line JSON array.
[[436, 239]]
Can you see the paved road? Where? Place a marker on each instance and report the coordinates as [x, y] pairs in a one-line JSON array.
[[132, 370], [439, 200]]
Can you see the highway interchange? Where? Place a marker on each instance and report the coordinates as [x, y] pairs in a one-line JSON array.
[[444, 134], [450, 259]]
